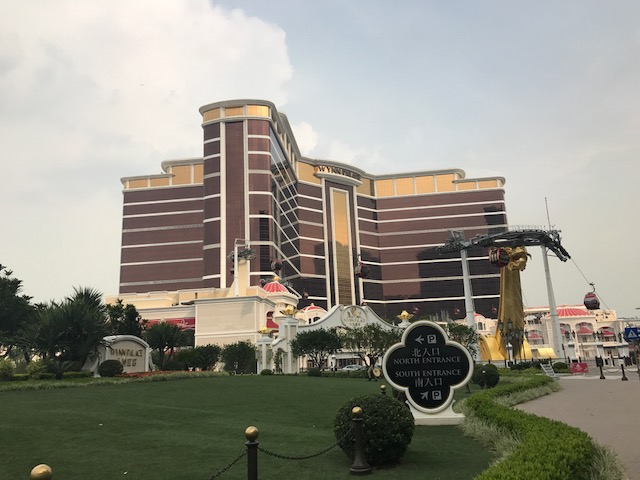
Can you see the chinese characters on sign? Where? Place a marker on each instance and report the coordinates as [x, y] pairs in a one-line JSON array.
[[427, 366]]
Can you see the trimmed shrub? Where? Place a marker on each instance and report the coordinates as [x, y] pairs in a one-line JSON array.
[[174, 365], [36, 369], [489, 378], [82, 374], [59, 367], [560, 367], [7, 369], [314, 372], [110, 368], [522, 365], [549, 449], [186, 357], [345, 373], [266, 371], [387, 429]]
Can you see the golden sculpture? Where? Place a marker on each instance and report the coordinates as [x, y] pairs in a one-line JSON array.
[[404, 316], [289, 311], [511, 312]]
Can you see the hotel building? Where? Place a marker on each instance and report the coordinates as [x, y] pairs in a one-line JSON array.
[[253, 189]]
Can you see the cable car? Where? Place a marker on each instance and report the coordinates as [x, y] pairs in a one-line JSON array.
[[591, 301], [361, 270], [499, 257]]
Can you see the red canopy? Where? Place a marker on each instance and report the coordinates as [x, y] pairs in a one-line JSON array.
[[186, 323]]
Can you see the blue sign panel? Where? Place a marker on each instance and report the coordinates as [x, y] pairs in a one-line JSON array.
[[631, 333]]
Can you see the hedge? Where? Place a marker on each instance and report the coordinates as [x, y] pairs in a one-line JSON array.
[[550, 450]]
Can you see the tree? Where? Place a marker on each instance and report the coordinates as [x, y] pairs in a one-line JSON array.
[[464, 335], [45, 333], [125, 319], [86, 325], [15, 309], [203, 357], [164, 337], [317, 345], [69, 331], [206, 356], [371, 341], [239, 357]]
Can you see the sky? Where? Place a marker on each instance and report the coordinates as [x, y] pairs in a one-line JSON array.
[[545, 94]]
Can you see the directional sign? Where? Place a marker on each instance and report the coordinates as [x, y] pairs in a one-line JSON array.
[[631, 333], [427, 366]]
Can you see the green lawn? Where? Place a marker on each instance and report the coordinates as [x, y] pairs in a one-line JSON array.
[[190, 429]]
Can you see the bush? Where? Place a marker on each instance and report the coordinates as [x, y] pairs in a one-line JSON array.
[[266, 371], [7, 369], [83, 374], [206, 356], [560, 367], [36, 369], [522, 365], [387, 429], [346, 373], [549, 449], [185, 357], [489, 379], [314, 372], [59, 367], [110, 368], [174, 365]]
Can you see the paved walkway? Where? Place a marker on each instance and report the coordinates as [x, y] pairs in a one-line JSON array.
[[608, 410]]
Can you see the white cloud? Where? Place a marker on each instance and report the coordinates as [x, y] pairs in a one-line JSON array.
[[306, 137], [94, 91]]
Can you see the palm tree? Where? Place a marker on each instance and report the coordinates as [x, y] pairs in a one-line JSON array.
[[86, 325], [45, 334], [164, 337]]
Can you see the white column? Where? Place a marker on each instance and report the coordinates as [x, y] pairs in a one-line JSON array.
[[468, 294], [553, 309]]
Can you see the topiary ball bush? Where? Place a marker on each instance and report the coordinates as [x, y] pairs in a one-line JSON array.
[[387, 429], [314, 372], [110, 368], [266, 371], [489, 379]]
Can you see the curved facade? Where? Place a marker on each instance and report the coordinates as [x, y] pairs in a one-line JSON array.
[[253, 188]]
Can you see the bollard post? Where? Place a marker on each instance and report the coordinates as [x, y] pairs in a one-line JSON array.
[[41, 472], [383, 389], [251, 434], [624, 377], [360, 465], [602, 377]]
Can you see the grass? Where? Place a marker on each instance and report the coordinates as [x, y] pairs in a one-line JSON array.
[[190, 429]]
